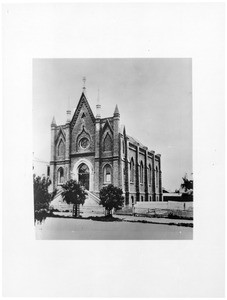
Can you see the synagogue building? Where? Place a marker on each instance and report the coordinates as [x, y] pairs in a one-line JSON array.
[[98, 151]]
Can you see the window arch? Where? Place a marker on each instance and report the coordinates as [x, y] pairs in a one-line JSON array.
[[107, 145], [83, 169], [141, 172], [107, 174], [60, 175], [149, 174], [61, 149], [132, 170]]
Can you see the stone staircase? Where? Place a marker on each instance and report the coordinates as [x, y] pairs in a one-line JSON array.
[[58, 203], [91, 206]]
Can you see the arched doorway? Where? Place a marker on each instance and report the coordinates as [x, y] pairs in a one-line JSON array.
[[84, 175]]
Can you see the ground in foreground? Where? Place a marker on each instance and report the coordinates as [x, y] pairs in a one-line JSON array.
[[84, 229]]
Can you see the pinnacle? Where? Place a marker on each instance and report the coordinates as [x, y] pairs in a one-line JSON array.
[[53, 123], [116, 111]]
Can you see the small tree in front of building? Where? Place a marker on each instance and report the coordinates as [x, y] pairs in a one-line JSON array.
[[42, 197], [111, 197], [74, 193]]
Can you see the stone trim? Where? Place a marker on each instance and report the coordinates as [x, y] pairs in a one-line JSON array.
[[82, 154]]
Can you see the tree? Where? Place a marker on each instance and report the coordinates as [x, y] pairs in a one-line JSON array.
[[187, 184], [74, 193], [187, 187], [42, 197], [111, 197]]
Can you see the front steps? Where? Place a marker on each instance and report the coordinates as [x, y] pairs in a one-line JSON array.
[[91, 206]]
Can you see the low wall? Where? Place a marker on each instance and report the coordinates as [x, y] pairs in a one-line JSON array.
[[145, 207], [180, 205]]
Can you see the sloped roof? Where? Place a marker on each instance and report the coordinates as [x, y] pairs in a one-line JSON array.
[[135, 141]]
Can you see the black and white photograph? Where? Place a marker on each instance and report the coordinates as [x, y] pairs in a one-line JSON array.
[[113, 149], [115, 159]]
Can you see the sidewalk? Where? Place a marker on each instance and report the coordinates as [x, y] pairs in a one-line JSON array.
[[128, 218]]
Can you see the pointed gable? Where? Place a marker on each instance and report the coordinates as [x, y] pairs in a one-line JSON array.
[[60, 133], [107, 125], [82, 101], [82, 121]]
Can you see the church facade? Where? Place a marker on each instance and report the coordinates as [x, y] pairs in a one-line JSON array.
[[97, 151]]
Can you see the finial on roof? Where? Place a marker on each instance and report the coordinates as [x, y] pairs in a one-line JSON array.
[[84, 81], [98, 106], [116, 112], [53, 123]]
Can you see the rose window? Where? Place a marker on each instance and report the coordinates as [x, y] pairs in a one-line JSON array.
[[84, 143]]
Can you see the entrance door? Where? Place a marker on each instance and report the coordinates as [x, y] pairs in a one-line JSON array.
[[83, 173]]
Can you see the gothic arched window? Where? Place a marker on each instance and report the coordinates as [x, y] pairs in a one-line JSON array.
[[61, 149], [107, 143], [107, 174], [141, 172], [132, 170], [60, 175], [150, 174], [157, 177], [83, 169]]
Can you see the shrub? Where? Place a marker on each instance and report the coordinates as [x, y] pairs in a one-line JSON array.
[[111, 197]]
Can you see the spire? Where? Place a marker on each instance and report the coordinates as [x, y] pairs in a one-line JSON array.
[[98, 107], [53, 123], [116, 112], [84, 82], [68, 112]]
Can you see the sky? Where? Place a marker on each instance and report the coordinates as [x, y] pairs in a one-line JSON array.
[[154, 97]]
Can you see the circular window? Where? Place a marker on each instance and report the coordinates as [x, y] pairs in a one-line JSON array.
[[84, 143]]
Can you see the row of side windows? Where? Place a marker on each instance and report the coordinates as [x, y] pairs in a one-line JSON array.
[[140, 199], [107, 174], [141, 172]]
